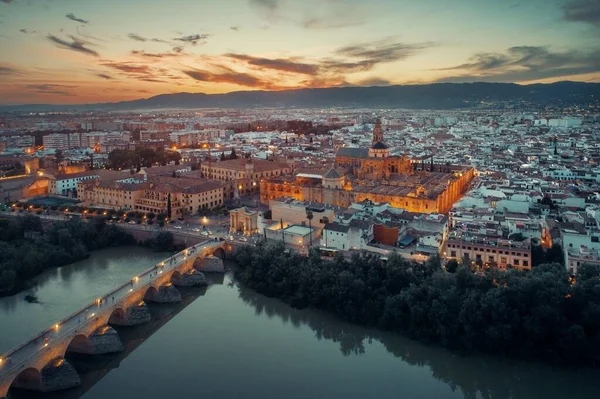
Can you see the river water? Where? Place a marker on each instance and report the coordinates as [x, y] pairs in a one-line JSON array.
[[229, 342]]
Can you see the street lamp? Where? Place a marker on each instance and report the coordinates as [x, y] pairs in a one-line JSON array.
[[309, 216]]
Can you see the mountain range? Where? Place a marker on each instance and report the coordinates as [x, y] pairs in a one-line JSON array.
[[428, 96]]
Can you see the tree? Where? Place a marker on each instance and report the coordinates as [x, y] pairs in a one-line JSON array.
[[452, 266], [223, 156], [547, 201], [233, 154]]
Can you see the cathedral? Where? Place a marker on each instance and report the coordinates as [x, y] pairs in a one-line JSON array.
[[374, 174]]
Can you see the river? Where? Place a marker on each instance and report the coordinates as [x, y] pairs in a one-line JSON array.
[[229, 342]]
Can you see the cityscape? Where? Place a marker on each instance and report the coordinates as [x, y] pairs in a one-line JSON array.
[[342, 210]]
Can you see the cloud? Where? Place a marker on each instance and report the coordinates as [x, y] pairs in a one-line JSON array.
[[6, 1], [178, 49], [193, 39], [279, 64], [104, 76], [54, 89], [227, 75], [328, 23], [526, 63], [139, 38], [144, 72], [6, 70], [234, 28], [27, 31], [76, 44], [142, 53], [385, 50], [583, 11], [72, 17]]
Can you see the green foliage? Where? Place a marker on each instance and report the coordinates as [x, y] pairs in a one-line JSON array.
[[141, 157], [22, 258], [452, 266], [537, 314], [163, 242]]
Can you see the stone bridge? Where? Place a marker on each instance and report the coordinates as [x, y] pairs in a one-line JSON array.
[[39, 364]]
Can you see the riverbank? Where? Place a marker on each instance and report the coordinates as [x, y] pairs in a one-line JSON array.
[[27, 248], [538, 315]]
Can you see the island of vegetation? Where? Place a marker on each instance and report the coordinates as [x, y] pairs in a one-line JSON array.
[[27, 247], [543, 314]]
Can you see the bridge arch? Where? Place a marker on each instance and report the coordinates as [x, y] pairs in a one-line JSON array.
[[117, 316], [176, 274], [150, 293], [219, 253], [30, 378], [79, 342]]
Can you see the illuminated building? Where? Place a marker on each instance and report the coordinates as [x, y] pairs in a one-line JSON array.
[[374, 174]]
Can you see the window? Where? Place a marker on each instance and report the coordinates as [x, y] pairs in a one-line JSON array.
[[525, 263], [503, 260], [453, 254], [490, 258], [516, 262]]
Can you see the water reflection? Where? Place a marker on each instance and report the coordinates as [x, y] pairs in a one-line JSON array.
[[474, 376], [92, 369]]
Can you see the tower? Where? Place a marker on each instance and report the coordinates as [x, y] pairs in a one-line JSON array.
[[377, 132]]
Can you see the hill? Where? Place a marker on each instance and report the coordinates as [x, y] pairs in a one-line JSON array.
[[429, 96]]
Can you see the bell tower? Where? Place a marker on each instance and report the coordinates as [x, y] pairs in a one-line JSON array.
[[377, 133]]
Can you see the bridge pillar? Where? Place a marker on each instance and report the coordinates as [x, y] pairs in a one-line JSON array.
[[190, 279], [164, 294], [210, 264], [56, 376], [103, 340], [134, 315]]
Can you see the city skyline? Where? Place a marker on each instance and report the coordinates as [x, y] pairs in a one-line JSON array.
[[63, 52]]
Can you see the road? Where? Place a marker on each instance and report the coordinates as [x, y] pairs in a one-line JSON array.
[[195, 228]]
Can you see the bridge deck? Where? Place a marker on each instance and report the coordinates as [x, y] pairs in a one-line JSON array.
[[38, 347]]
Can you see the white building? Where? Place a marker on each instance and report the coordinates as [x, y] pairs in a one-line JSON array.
[[66, 185]]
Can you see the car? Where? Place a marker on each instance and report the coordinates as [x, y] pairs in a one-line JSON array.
[[177, 227], [204, 233], [132, 222], [244, 239], [196, 229]]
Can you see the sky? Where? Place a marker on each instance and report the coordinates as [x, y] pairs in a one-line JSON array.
[[87, 51]]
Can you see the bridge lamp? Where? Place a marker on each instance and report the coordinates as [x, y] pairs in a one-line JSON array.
[[135, 279], [131, 290], [56, 326], [1, 360], [46, 344]]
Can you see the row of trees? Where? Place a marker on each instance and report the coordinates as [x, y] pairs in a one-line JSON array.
[[141, 157], [27, 250], [540, 314]]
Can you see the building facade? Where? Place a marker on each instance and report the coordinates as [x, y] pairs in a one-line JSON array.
[[373, 174]]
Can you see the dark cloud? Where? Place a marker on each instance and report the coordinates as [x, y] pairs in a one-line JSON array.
[[27, 31], [279, 64], [60, 90], [193, 39], [267, 5], [76, 44], [142, 53], [526, 63], [178, 49], [234, 28], [583, 11], [6, 70], [6, 1], [385, 50], [145, 72], [104, 76], [138, 38], [226, 75], [72, 17]]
